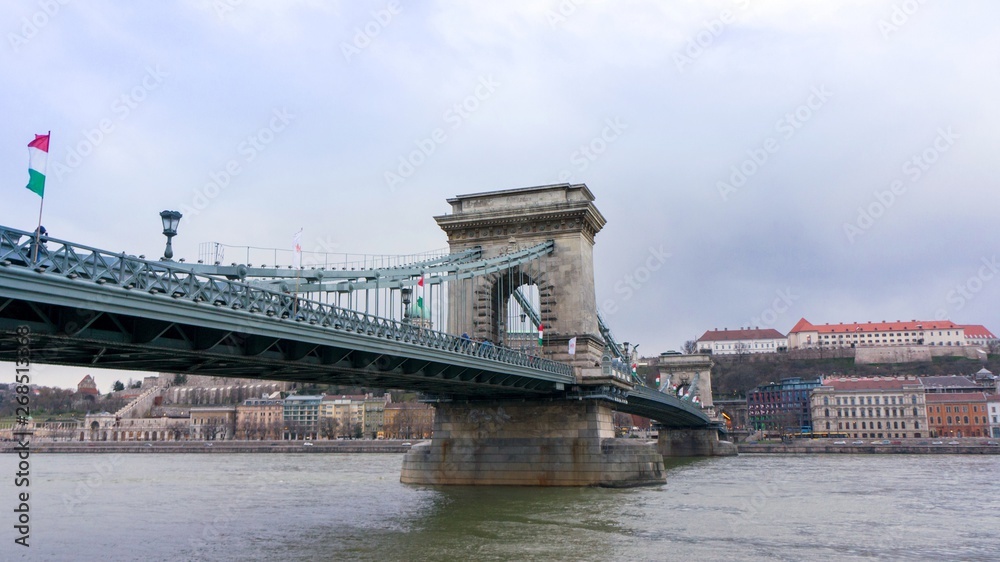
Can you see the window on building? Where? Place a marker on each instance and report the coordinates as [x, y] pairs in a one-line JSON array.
[[966, 420], [949, 419]]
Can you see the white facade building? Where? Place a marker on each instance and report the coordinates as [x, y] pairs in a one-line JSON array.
[[742, 341], [870, 407], [993, 411], [978, 335], [805, 335]]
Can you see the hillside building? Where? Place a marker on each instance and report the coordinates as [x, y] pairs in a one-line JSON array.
[[742, 341], [978, 335], [805, 335]]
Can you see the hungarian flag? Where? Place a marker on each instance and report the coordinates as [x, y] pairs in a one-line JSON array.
[[541, 330], [572, 345], [297, 250], [38, 155], [420, 299]]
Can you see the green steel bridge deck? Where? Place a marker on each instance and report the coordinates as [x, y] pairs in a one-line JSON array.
[[86, 307]]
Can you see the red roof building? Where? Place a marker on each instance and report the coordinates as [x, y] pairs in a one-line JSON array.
[[87, 386], [977, 334], [742, 341], [806, 335]]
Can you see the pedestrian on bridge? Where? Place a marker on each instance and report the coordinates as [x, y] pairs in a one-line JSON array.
[[486, 348], [38, 241]]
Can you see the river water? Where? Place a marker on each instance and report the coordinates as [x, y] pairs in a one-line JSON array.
[[352, 507]]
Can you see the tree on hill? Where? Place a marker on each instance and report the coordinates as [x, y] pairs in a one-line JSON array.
[[690, 347], [118, 386]]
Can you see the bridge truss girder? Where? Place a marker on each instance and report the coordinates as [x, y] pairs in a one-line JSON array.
[[133, 333], [90, 308]]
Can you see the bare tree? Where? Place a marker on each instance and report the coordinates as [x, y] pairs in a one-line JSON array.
[[210, 429], [328, 427], [690, 347], [742, 351]]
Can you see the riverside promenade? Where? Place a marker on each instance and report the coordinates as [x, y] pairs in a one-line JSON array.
[[945, 446], [204, 447]]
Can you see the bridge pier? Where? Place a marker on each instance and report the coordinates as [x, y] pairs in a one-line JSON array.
[[527, 443], [693, 442]]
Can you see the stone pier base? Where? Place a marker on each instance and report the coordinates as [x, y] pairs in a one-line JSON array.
[[693, 443], [524, 443]]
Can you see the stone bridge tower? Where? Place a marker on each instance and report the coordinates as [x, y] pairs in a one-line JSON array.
[[501, 222]]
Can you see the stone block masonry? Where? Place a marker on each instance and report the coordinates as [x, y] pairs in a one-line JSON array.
[[520, 443]]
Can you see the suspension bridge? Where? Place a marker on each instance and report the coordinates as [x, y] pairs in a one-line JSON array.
[[458, 326]]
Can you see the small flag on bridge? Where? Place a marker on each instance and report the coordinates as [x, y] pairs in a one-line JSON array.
[[297, 250], [541, 330], [420, 298], [38, 155], [572, 345]]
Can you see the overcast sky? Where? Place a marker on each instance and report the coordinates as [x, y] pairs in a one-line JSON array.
[[757, 162]]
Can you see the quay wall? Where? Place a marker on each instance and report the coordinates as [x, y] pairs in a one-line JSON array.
[[779, 448], [358, 446]]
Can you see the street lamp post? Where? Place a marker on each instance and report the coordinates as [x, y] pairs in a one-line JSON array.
[[170, 221], [406, 292]]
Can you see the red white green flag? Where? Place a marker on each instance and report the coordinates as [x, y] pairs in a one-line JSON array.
[[38, 155], [297, 250], [541, 331], [420, 298]]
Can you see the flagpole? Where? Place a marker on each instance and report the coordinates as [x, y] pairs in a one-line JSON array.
[[298, 273], [41, 204]]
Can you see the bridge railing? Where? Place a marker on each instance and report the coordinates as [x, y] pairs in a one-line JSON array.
[[75, 261]]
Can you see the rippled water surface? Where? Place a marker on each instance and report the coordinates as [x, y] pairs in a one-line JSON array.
[[352, 507]]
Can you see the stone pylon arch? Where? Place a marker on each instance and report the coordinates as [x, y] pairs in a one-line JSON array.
[[500, 222], [497, 295]]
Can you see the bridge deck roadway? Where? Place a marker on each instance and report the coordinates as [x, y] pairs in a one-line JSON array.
[[102, 310]]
